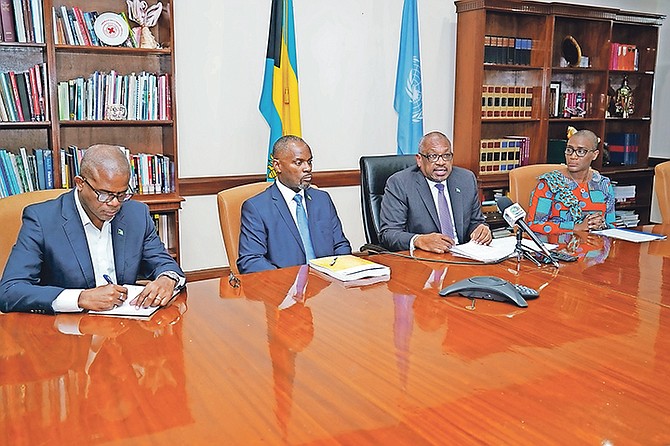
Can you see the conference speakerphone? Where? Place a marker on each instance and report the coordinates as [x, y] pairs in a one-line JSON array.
[[492, 288]]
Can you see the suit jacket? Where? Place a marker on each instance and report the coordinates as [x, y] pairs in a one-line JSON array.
[[269, 237], [51, 254], [408, 207]]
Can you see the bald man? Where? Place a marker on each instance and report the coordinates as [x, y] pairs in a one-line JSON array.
[[71, 248]]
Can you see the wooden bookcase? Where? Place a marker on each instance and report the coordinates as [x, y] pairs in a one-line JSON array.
[[65, 62], [547, 25]]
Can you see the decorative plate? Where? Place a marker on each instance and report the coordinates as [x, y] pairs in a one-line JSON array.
[[111, 28], [571, 50]]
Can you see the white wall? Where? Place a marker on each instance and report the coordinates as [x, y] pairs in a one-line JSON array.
[[347, 54]]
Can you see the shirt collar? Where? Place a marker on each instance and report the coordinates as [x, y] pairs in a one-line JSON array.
[[287, 192]]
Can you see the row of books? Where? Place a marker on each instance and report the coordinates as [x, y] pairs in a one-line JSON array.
[[507, 50], [21, 21], [149, 173], [573, 104], [622, 148], [103, 96], [24, 172], [509, 102], [162, 228], [76, 27], [624, 57], [501, 155], [23, 95]]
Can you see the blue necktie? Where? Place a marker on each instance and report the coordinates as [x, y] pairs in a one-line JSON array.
[[303, 228], [446, 227]]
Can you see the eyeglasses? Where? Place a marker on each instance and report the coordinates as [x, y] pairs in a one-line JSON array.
[[108, 197], [580, 152], [433, 157]]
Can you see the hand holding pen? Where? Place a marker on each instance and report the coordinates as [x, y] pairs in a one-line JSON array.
[[104, 297]]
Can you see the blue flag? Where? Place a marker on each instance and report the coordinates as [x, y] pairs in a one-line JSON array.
[[408, 101], [280, 103]]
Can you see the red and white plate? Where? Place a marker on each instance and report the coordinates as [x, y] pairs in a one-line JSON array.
[[111, 28]]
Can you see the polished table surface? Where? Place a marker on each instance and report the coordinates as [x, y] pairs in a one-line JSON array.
[[387, 363]]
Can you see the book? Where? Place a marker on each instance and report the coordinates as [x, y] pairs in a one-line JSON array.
[[24, 96], [349, 267], [48, 169], [19, 22], [39, 164], [37, 19], [7, 19], [127, 309], [4, 117], [15, 92]]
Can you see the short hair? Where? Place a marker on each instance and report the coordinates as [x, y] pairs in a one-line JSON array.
[[282, 144], [431, 137], [104, 158], [590, 136]]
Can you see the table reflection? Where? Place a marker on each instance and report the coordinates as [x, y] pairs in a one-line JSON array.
[[79, 378]]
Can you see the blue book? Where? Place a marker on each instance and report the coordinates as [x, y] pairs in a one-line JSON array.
[[39, 164], [4, 188], [48, 169], [88, 20], [11, 173]]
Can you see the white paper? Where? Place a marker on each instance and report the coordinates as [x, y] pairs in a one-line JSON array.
[[127, 309], [499, 249], [630, 235]]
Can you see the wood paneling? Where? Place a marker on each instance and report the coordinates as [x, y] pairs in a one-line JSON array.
[[213, 185]]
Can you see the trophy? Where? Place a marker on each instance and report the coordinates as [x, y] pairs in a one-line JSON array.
[[625, 105]]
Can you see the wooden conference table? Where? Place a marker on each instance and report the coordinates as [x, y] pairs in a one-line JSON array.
[[388, 363]]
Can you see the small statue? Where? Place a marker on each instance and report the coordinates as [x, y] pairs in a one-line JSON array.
[[146, 17], [625, 105]]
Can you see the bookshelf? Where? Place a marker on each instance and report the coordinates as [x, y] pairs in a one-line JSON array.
[[152, 135], [584, 86]]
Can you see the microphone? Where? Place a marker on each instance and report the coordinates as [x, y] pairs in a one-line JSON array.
[[514, 214]]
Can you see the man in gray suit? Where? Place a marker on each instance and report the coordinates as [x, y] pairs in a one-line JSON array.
[[433, 205]]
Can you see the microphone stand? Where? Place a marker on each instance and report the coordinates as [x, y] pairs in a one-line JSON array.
[[522, 251]]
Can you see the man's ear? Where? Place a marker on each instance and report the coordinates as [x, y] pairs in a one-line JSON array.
[[79, 182], [275, 165]]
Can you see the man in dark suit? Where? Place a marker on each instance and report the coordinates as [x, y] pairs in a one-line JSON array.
[[70, 248], [433, 205], [289, 223]]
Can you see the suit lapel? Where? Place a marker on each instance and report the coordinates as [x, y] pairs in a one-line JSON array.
[[74, 231], [285, 214], [456, 202], [427, 197], [119, 244]]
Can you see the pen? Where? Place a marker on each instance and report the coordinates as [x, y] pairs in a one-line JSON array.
[[333, 262], [108, 279]]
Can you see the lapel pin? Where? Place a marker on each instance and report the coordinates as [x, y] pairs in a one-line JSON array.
[[458, 190], [119, 231]]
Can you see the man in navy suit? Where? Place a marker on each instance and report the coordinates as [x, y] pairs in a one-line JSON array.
[[275, 232], [433, 205], [71, 248]]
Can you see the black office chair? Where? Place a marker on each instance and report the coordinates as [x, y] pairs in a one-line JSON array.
[[375, 170]]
